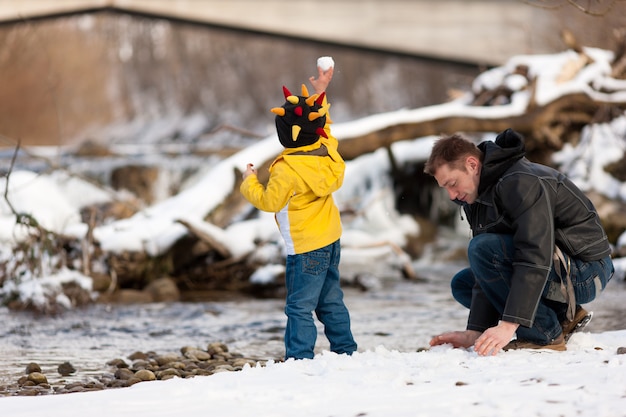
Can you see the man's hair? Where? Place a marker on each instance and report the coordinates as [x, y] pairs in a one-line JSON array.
[[451, 150]]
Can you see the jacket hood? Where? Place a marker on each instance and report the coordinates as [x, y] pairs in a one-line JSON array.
[[499, 156], [321, 169]]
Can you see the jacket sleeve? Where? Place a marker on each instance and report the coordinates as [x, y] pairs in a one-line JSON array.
[[482, 314], [274, 196], [526, 199]]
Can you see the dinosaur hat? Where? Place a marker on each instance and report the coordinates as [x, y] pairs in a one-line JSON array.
[[300, 121]]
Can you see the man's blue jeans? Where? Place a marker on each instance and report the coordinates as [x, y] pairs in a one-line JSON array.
[[490, 257], [312, 281]]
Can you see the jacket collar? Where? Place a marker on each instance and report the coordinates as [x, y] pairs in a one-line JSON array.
[[499, 156]]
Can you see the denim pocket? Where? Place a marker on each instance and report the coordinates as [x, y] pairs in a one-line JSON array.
[[590, 280], [316, 262]]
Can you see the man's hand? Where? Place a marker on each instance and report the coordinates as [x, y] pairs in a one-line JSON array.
[[323, 79], [457, 339], [495, 338]]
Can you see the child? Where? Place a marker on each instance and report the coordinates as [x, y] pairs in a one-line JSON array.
[[299, 190]]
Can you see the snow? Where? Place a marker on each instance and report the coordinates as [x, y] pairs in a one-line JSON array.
[[589, 379], [600, 145], [325, 62], [47, 198], [267, 274], [35, 289]]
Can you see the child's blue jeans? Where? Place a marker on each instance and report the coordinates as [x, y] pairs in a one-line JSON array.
[[490, 257], [312, 281]]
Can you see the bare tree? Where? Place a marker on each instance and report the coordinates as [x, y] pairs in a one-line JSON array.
[[590, 7]]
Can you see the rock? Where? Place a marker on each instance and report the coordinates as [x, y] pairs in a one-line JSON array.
[[191, 365], [77, 295], [621, 350], [93, 149], [118, 383], [168, 373], [167, 358], [145, 375], [124, 374], [109, 211], [196, 354], [66, 369], [223, 368], [73, 386], [32, 391], [32, 367], [186, 349], [177, 365], [132, 381], [138, 355], [37, 378], [225, 356], [202, 372], [217, 349], [141, 364], [139, 180], [148, 366], [100, 282], [118, 363], [163, 290], [126, 296], [241, 362]]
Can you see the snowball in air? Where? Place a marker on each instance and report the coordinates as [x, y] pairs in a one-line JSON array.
[[325, 62]]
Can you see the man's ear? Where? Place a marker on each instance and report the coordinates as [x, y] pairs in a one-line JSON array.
[[472, 163]]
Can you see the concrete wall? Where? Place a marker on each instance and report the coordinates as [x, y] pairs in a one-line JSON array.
[[478, 31], [153, 70], [112, 77]]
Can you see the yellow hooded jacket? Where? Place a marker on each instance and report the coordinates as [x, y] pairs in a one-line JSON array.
[[299, 191]]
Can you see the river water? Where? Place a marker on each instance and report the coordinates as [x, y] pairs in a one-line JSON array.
[[399, 314]]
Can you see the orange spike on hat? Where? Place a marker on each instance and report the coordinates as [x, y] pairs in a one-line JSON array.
[[305, 91], [314, 115], [278, 110], [310, 100]]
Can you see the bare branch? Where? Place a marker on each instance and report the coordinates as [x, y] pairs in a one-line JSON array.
[[596, 8], [6, 188]]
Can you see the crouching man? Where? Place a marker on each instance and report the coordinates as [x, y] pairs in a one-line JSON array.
[[538, 250]]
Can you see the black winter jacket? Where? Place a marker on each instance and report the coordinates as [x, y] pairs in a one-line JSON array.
[[539, 206]]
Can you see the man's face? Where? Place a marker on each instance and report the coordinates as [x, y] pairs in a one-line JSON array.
[[461, 184]]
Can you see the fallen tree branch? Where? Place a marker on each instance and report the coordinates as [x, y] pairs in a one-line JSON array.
[[530, 124], [206, 238]]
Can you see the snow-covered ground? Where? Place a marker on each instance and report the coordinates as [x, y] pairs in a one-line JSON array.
[[387, 377], [588, 380]]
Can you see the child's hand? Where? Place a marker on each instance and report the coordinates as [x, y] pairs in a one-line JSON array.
[[249, 171], [323, 79]]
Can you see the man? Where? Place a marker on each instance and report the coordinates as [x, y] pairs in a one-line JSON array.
[[538, 249]]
